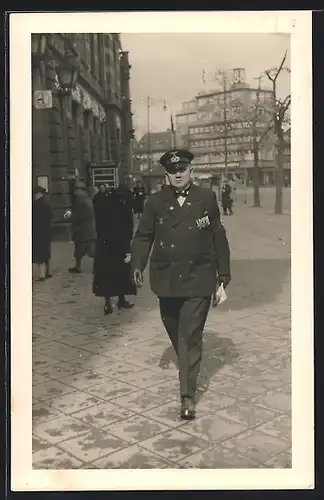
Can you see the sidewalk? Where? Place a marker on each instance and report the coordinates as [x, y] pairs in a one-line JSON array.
[[105, 389]]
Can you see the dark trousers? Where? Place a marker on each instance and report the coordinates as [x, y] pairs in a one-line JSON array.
[[184, 320]]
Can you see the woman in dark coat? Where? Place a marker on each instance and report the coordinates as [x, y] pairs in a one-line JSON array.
[[112, 268], [41, 233]]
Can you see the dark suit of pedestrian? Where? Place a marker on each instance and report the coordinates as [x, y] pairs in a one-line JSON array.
[[190, 248]]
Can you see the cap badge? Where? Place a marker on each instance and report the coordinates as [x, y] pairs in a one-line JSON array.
[[174, 158]]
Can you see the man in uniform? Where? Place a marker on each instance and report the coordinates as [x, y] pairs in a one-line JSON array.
[[190, 256]]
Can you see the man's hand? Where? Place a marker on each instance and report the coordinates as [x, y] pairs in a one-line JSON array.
[[225, 279], [127, 258], [138, 277]]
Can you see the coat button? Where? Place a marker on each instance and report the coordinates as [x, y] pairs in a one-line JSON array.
[[190, 228], [172, 245], [180, 275]]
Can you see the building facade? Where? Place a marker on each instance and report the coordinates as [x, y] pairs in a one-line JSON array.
[[90, 125], [220, 126], [155, 146]]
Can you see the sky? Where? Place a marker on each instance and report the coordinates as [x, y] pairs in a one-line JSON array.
[[169, 67]]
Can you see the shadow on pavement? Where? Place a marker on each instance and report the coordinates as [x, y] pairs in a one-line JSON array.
[[217, 352], [256, 282]]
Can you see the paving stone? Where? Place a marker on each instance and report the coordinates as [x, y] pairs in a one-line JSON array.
[[38, 378], [247, 414], [117, 369], [73, 402], [54, 458], [144, 378], [141, 401], [58, 371], [174, 445], [50, 389], [44, 413], [93, 445], [136, 428], [276, 400], [281, 461], [41, 361], [213, 428], [279, 427], [102, 414], [256, 445], [59, 429], [132, 457], [84, 380], [217, 458], [111, 389]]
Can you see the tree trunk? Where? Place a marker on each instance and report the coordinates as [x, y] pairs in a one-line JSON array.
[[279, 174], [256, 178]]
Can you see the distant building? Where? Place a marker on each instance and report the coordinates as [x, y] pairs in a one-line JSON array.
[[217, 126], [155, 145]]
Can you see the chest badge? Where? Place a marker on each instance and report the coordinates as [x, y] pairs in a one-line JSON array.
[[203, 222], [171, 208]]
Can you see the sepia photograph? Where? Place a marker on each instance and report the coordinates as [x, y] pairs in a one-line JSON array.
[[160, 247]]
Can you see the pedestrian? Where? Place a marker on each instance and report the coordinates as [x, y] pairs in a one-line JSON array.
[[83, 226], [190, 257], [226, 198], [112, 274], [140, 195], [41, 233]]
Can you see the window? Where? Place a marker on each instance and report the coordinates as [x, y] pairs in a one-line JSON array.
[[236, 110], [107, 59], [108, 40]]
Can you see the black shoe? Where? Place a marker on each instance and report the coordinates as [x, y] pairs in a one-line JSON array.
[[108, 309], [188, 410], [48, 276], [125, 305], [74, 270]]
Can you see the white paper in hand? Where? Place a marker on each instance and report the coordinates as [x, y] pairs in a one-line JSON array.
[[221, 294]]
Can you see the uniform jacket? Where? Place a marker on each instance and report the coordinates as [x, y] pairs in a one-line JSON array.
[[185, 260]]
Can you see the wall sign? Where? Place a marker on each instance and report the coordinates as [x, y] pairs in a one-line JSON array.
[[42, 181], [43, 99]]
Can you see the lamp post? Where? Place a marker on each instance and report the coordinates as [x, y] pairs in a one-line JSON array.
[[149, 103]]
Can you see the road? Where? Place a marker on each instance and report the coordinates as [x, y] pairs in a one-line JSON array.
[[105, 389]]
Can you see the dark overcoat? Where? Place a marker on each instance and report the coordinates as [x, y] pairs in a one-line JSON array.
[[83, 220], [41, 231], [226, 195], [139, 194], [185, 259], [114, 222]]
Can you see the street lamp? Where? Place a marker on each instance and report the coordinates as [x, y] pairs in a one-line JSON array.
[[149, 103], [67, 73]]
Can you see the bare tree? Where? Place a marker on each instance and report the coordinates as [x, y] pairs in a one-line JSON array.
[[280, 119], [261, 124]]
